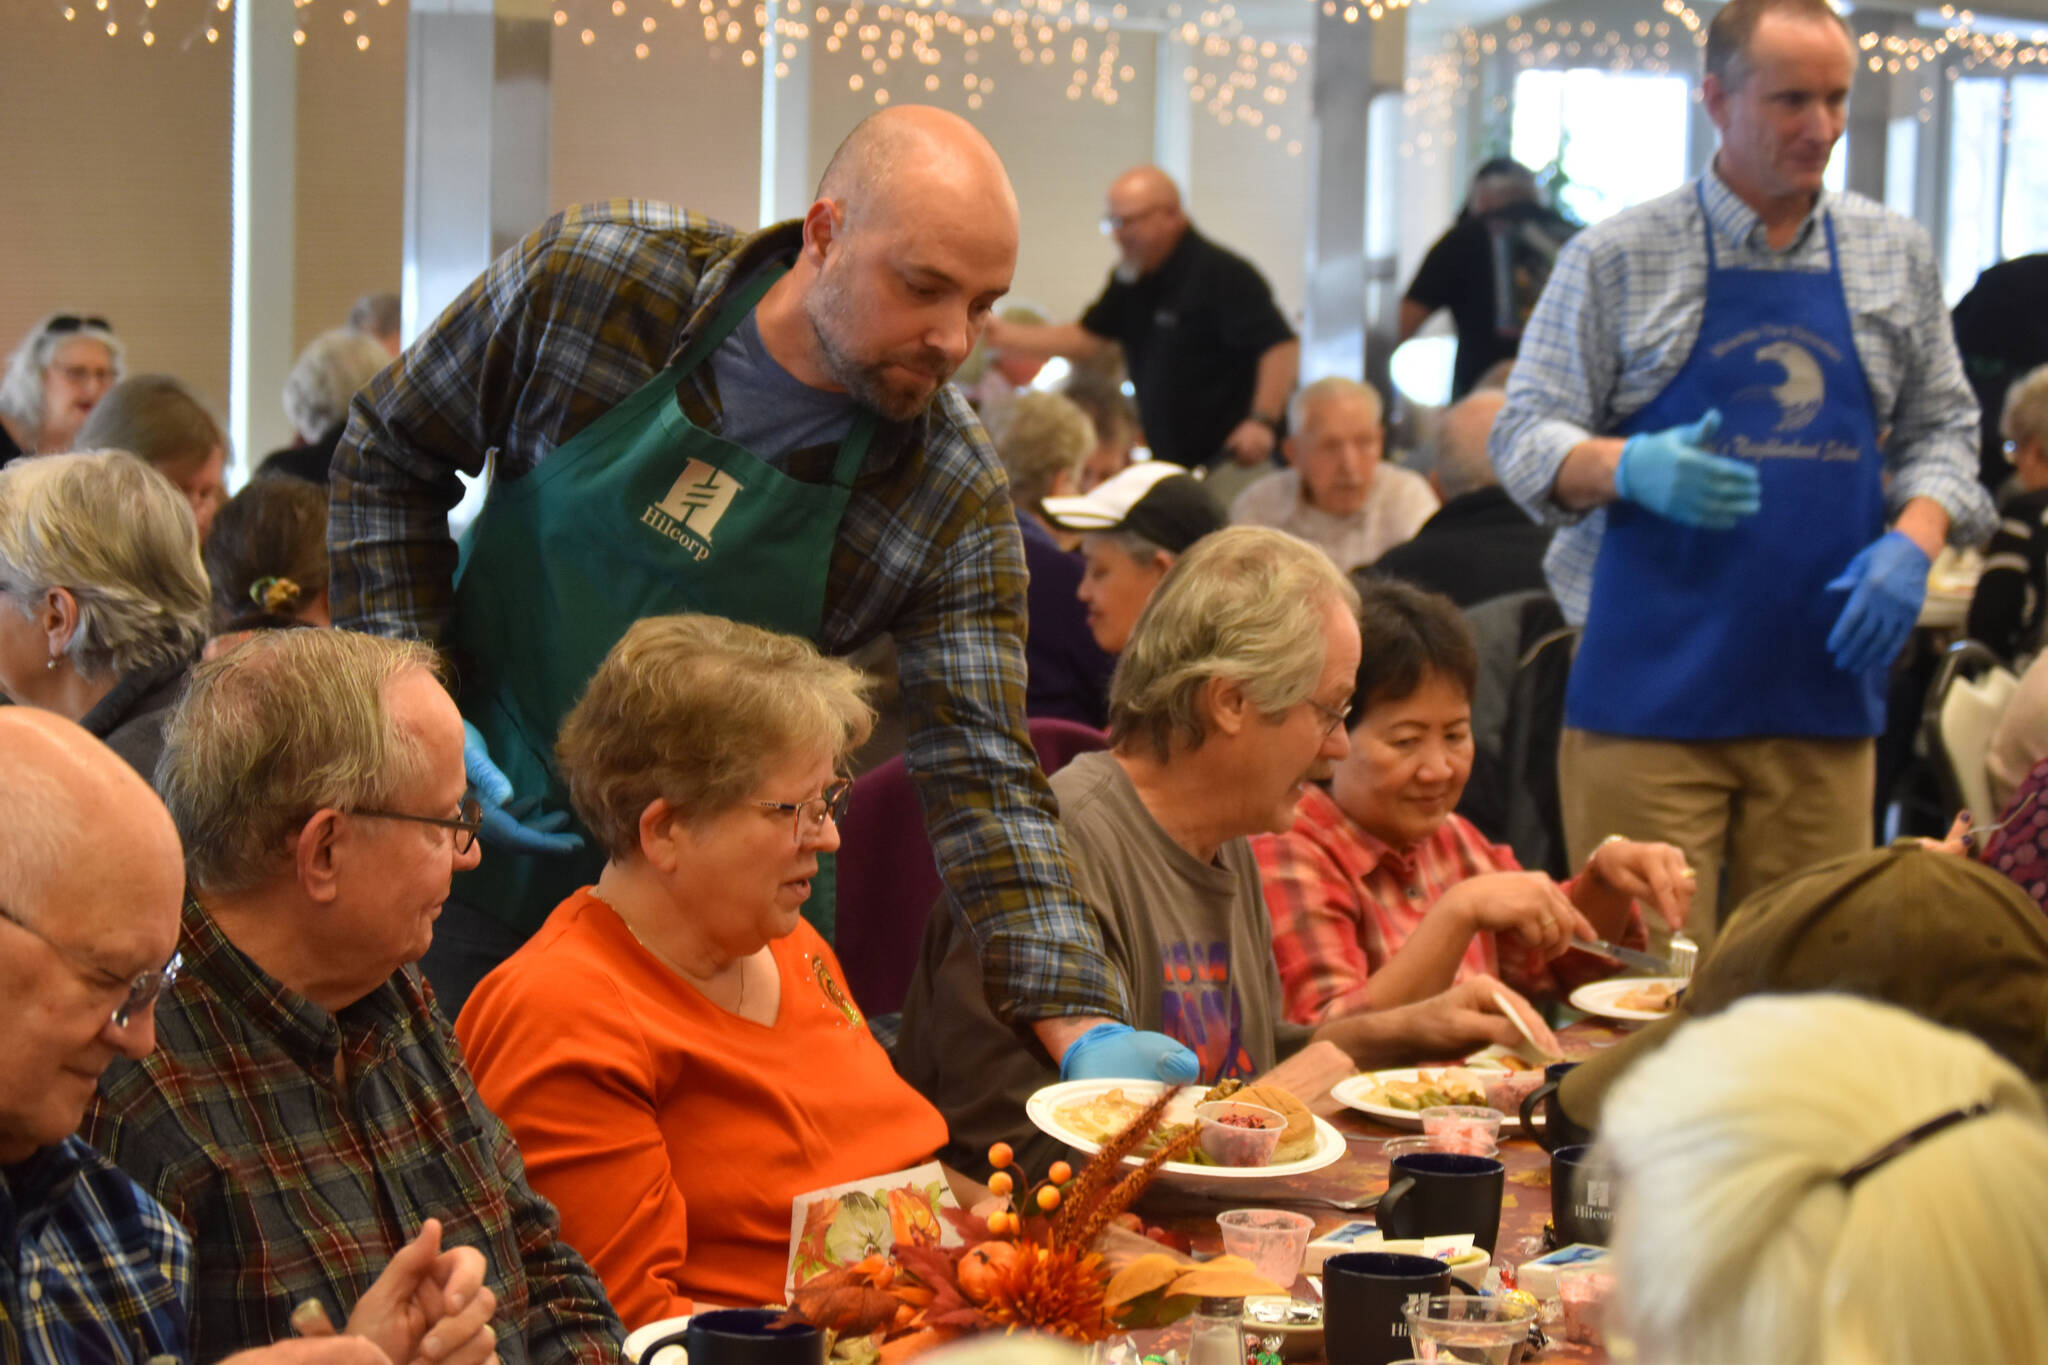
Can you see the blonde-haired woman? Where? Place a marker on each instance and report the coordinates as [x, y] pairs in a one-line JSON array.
[[1821, 1177], [675, 1049], [106, 600]]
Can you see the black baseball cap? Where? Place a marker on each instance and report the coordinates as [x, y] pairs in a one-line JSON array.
[[1160, 501]]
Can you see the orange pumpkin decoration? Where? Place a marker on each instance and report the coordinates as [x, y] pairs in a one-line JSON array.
[[980, 1266]]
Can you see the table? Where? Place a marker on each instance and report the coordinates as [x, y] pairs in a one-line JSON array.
[[1525, 1204]]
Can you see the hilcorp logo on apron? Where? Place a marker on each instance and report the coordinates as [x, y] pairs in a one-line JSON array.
[[695, 502]]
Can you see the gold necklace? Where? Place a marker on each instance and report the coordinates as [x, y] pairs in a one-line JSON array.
[[698, 981]]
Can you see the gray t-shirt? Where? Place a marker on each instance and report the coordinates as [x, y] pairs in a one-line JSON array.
[[767, 409], [1191, 941]]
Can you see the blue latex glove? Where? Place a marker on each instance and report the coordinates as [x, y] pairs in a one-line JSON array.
[[1120, 1052], [1673, 474], [512, 826], [1886, 583]]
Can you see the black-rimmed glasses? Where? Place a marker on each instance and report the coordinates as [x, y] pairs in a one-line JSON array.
[[808, 817], [464, 825], [1333, 717], [1114, 222], [72, 322], [142, 990]]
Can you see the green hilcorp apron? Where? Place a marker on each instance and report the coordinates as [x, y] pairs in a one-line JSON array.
[[642, 513]]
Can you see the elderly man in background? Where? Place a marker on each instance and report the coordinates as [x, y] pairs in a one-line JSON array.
[[307, 1105], [93, 1268], [1229, 700], [379, 317], [1132, 528], [325, 378], [1210, 355], [1479, 545], [1340, 494], [54, 378]]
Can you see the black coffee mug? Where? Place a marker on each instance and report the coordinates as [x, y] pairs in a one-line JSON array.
[[1557, 1130], [1437, 1194], [1363, 1294], [1581, 1198], [749, 1336]]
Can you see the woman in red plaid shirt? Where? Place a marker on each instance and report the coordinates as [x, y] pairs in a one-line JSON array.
[[1381, 894]]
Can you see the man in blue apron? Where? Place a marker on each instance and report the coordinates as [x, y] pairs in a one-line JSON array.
[[1724, 396], [688, 419]]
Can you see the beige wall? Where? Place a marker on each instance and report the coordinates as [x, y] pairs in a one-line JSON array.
[[682, 126], [115, 162], [1252, 197]]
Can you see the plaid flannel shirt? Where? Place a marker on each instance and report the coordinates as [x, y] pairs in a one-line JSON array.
[[580, 315], [92, 1270], [1343, 903], [297, 1184], [1623, 307]]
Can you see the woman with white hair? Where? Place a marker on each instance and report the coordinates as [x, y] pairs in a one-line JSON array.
[[105, 598], [64, 366], [1821, 1177], [2011, 602], [327, 375]]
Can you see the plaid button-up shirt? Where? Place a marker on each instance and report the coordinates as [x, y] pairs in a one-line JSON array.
[[1343, 903], [92, 1270], [576, 318], [302, 1149]]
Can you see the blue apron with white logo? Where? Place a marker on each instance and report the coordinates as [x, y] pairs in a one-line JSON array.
[[1699, 635], [642, 513]]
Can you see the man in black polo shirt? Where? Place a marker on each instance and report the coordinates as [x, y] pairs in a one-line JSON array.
[[1211, 357]]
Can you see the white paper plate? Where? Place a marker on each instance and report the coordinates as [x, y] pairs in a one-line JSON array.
[[1041, 1108], [1598, 997], [1352, 1090], [638, 1341]]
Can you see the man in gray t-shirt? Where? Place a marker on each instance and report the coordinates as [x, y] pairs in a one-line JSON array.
[[1230, 696]]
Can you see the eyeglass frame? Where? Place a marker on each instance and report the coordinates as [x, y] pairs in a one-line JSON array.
[[832, 803], [468, 823], [143, 989], [1334, 716], [1113, 222]]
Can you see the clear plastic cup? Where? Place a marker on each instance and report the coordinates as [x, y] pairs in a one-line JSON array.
[[1424, 1142], [1462, 1327], [1273, 1240], [1473, 1129], [1238, 1134]]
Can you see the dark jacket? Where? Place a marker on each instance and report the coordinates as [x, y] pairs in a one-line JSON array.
[[131, 718], [1478, 546]]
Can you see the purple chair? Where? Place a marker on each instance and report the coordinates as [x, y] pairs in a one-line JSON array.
[[888, 882]]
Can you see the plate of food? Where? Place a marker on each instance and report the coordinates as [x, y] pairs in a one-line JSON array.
[[1398, 1096], [1631, 999], [1083, 1114]]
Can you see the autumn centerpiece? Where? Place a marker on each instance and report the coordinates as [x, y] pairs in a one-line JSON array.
[[1032, 1262]]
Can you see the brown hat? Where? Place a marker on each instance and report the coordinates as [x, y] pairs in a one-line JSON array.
[[1934, 933]]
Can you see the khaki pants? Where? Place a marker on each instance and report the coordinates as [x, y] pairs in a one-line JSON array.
[[1745, 811]]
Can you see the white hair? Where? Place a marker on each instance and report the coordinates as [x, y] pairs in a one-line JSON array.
[[327, 374], [1323, 390], [1735, 1238], [1462, 464], [120, 538], [21, 387], [2026, 408]]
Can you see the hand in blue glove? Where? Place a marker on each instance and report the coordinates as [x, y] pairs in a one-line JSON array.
[[513, 826], [1120, 1052], [1673, 474], [1886, 583]]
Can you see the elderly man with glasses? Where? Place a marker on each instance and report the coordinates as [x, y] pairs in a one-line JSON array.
[[92, 1268], [1228, 701], [307, 1108]]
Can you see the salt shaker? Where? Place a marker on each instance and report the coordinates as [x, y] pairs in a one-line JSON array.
[[1217, 1333]]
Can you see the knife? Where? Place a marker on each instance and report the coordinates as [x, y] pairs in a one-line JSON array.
[[1627, 956]]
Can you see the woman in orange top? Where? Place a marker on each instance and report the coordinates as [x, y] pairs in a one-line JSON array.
[[674, 1049]]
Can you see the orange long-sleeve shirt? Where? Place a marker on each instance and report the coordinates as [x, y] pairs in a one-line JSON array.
[[672, 1134]]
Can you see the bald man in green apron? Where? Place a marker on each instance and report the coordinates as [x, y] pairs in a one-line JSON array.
[[687, 418]]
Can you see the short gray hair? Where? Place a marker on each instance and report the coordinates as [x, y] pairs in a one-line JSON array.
[[283, 725], [1331, 386], [121, 539], [2025, 417], [1734, 24], [21, 387], [327, 375], [1462, 463], [1046, 435], [1245, 603], [377, 315]]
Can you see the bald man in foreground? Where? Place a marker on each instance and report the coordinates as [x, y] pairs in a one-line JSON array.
[[1210, 355], [689, 419]]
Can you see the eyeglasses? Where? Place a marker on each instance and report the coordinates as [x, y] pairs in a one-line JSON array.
[[465, 825], [1334, 717], [141, 992], [72, 322], [808, 817], [1114, 222]]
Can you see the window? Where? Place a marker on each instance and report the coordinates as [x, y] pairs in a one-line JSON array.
[[1617, 138], [1997, 202]]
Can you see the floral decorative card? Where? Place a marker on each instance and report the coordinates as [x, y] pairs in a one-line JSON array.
[[844, 1224]]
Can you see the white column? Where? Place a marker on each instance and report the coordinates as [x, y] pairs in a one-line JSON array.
[[1354, 62], [265, 186], [785, 129]]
